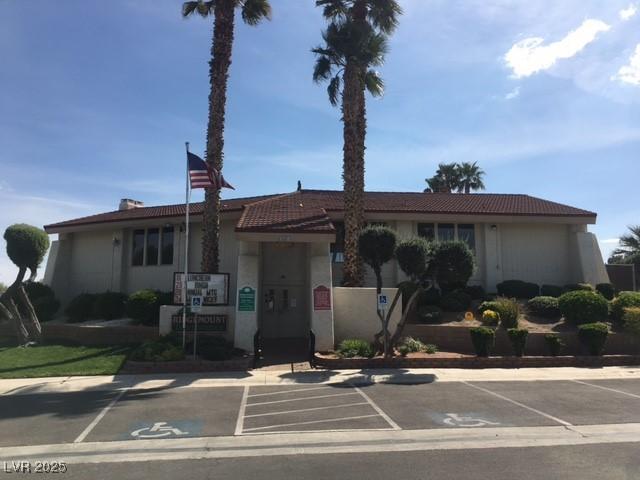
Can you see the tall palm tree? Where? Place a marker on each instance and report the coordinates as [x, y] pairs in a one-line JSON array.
[[446, 179], [629, 250], [471, 177], [355, 41], [223, 12]]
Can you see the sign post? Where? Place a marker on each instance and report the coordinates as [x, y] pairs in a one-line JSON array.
[[382, 303], [196, 306]]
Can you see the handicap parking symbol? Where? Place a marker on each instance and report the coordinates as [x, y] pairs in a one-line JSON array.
[[166, 430], [470, 420]]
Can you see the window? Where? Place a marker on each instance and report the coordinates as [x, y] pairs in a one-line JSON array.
[[446, 232], [153, 246], [167, 246], [427, 231], [467, 234], [337, 248], [137, 250]]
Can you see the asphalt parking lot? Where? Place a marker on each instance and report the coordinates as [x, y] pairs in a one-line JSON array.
[[98, 416]]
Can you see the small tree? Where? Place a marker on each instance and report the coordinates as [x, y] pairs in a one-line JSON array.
[[26, 247], [376, 246], [452, 265]]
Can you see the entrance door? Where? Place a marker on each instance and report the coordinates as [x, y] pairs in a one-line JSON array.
[[284, 304]]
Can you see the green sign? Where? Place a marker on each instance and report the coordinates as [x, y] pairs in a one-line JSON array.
[[246, 299]]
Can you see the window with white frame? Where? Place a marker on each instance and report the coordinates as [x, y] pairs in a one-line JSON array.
[[465, 232], [152, 246]]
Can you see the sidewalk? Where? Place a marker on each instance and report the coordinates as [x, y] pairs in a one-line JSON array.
[[271, 377]]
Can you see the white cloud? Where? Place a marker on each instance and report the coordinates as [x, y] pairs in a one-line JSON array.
[[610, 241], [530, 55], [512, 94], [627, 13], [630, 73]]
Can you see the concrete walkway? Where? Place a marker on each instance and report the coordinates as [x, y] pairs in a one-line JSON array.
[[271, 377]]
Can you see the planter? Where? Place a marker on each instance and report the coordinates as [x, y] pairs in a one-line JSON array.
[[188, 366]]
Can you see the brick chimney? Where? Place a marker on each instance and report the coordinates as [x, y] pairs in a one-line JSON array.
[[129, 204]]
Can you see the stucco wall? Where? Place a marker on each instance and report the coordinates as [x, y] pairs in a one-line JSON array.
[[91, 262]]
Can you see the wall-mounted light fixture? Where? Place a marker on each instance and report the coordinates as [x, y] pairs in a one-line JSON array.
[[494, 228], [116, 241]]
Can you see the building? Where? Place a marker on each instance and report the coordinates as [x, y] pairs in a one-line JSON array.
[[285, 250]]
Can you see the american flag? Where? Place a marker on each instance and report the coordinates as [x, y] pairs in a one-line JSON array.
[[203, 176]]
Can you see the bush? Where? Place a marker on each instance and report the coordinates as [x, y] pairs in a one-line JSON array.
[[430, 296], [214, 348], [412, 345], [607, 290], [376, 245], [43, 299], [144, 307], [581, 306], [593, 336], [518, 289], [476, 292], [518, 339], [452, 264], [547, 307], [80, 308], [490, 318], [157, 351], [109, 305], [551, 291], [483, 339], [456, 301], [506, 308], [429, 314], [413, 256], [622, 301], [578, 287], [355, 348], [26, 245], [554, 343], [631, 320]]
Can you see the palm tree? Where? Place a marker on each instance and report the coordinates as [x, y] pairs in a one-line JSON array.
[[471, 176], [355, 41], [223, 12], [629, 250], [446, 179]]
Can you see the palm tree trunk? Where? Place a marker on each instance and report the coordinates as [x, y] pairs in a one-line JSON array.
[[218, 76]]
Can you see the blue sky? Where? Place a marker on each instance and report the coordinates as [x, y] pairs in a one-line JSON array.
[[97, 99]]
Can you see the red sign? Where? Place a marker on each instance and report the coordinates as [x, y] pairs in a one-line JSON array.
[[321, 298]]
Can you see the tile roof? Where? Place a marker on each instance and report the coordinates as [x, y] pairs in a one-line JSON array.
[[306, 210]]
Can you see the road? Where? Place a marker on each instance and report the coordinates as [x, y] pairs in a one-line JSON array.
[[461, 429]]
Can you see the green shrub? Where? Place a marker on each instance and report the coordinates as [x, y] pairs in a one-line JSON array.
[[490, 318], [631, 320], [26, 245], [80, 308], [581, 306], [157, 351], [413, 256], [593, 336], [214, 348], [507, 308], [430, 348], [518, 339], [407, 288], [355, 348], [144, 307], [412, 345], [622, 301], [578, 287], [607, 290], [43, 299], [456, 301], [547, 307], [452, 264], [109, 305], [554, 343], [430, 296], [377, 245], [476, 292], [483, 339], [429, 314], [551, 291], [518, 289]]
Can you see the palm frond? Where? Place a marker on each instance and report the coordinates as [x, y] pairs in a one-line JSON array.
[[334, 90], [322, 69], [383, 14], [198, 7], [374, 83], [333, 9], [254, 11]]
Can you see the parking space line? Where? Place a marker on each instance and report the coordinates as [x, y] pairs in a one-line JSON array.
[[310, 422], [99, 417], [386, 417], [522, 405], [608, 389], [288, 391], [243, 407], [300, 399], [305, 410]]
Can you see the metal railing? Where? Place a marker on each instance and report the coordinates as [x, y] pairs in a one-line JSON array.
[[257, 348]]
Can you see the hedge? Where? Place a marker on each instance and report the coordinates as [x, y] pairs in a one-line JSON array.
[[355, 348], [429, 314], [483, 339], [622, 301], [518, 289], [593, 336], [547, 307], [43, 299], [607, 290], [551, 291], [109, 305], [554, 343], [583, 306], [80, 308], [456, 301], [518, 339], [632, 320]]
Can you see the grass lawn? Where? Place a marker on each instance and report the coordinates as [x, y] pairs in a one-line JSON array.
[[61, 360]]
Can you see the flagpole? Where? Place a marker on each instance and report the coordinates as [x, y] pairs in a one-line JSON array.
[[186, 255]]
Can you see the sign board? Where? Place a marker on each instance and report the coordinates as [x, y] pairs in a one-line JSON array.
[[382, 302], [213, 287], [196, 303], [206, 323], [321, 298], [246, 299]]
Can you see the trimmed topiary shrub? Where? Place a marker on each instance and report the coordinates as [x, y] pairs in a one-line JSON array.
[[429, 314], [26, 245], [456, 301], [547, 307], [476, 292], [554, 343], [551, 291], [143, 306], [518, 289], [43, 299], [355, 348], [518, 339], [622, 301], [452, 264], [631, 320], [490, 318], [593, 336], [430, 296], [581, 306], [109, 305], [413, 256], [578, 287], [80, 308], [507, 308], [607, 290], [483, 339]]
